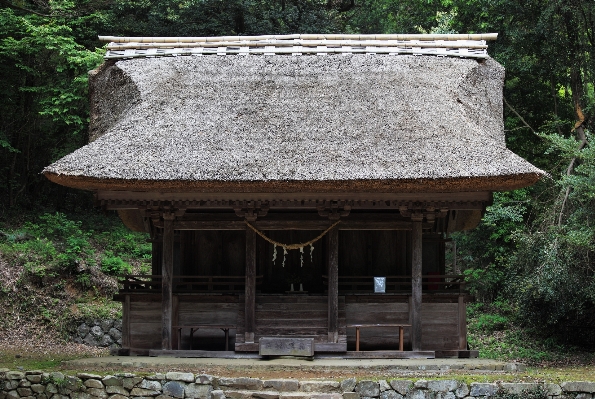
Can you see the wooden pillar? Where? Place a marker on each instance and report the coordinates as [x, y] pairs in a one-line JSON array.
[[416, 286], [462, 327], [126, 322], [250, 293], [167, 271], [333, 284]]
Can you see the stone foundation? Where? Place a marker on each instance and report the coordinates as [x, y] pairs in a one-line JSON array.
[[101, 333], [177, 385]]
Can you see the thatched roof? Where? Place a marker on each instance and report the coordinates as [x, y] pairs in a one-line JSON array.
[[350, 122]]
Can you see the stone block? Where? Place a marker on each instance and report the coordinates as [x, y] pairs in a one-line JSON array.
[[93, 383], [265, 395], [578, 386], [348, 385], [294, 395], [401, 386], [80, 395], [275, 346], [326, 396], [86, 376], [285, 385], [514, 367], [319, 386], [110, 380], [96, 332], [241, 383], [368, 388], [105, 341], [34, 378], [51, 388], [24, 384], [351, 395], [24, 391], [12, 395], [164, 397], [482, 389], [217, 394], [390, 394], [238, 394], [518, 388], [118, 324], [198, 391], [11, 384], [116, 390], [553, 389], [204, 379], [131, 382], [15, 375], [106, 324], [175, 376], [118, 396], [150, 385], [420, 384], [420, 394], [38, 388], [462, 391], [383, 385], [175, 388], [584, 396], [143, 392], [97, 393], [445, 395], [442, 385], [156, 377]]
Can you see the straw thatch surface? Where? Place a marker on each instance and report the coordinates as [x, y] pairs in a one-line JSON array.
[[275, 123]]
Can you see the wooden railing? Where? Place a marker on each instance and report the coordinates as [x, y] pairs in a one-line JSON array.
[[186, 284], [399, 284]]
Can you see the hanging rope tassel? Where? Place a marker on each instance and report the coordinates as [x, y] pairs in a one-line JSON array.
[[289, 247]]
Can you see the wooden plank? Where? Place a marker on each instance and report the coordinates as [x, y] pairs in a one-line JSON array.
[[250, 293], [167, 276], [274, 346], [333, 284], [416, 287]]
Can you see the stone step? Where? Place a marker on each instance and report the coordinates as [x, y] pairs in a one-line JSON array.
[[264, 394]]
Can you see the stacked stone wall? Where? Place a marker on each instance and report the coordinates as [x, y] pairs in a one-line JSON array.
[[102, 333], [179, 385]]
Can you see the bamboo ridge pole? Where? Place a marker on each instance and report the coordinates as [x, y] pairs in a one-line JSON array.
[[421, 37], [309, 43]]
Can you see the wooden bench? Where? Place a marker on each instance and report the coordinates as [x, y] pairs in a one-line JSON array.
[[358, 326], [196, 327]]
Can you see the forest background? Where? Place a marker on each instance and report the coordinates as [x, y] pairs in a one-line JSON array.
[[530, 263]]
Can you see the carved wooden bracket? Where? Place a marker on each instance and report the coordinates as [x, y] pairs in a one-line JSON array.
[[251, 210], [334, 210], [419, 212]]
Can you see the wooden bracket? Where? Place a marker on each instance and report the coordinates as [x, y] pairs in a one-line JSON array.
[[418, 212], [334, 210], [251, 210]]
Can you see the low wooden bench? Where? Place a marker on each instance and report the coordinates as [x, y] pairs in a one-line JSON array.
[[196, 327], [358, 326]]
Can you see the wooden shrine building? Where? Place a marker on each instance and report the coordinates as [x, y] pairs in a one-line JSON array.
[[278, 176]]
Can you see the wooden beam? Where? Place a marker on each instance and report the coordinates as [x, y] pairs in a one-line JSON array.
[[293, 225], [416, 284], [333, 284], [250, 290], [288, 196], [167, 271]]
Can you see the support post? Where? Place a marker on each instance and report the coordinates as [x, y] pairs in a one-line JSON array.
[[416, 283], [250, 290], [333, 285], [462, 323], [167, 271]]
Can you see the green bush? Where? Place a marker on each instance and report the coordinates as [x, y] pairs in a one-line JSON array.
[[114, 265]]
